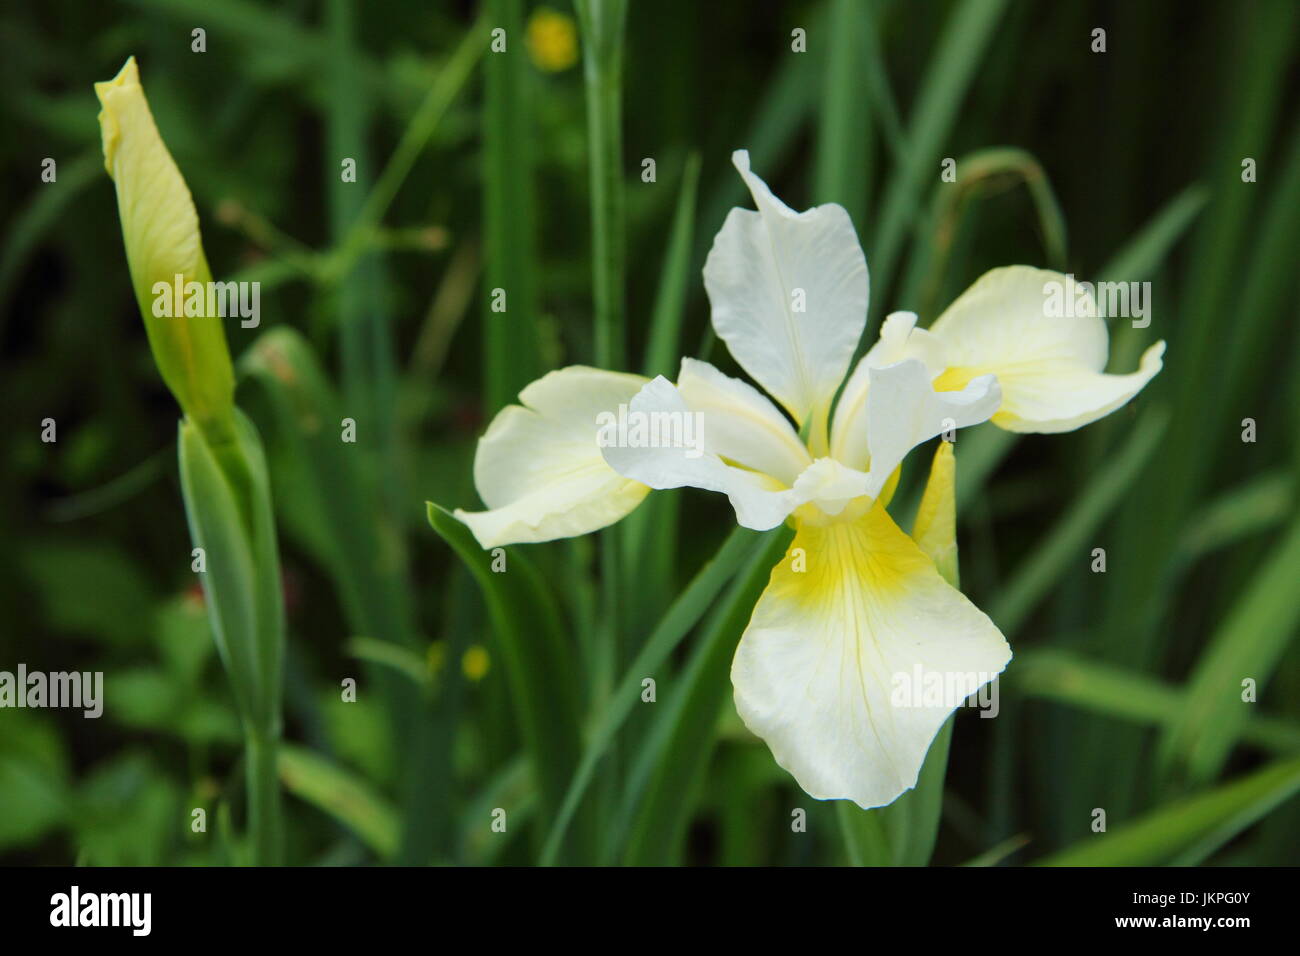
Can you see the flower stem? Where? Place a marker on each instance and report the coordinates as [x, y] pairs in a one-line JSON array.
[[261, 753], [602, 24]]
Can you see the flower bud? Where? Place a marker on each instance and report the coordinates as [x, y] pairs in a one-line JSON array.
[[164, 250]]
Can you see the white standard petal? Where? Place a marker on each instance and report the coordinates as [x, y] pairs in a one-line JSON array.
[[1040, 333], [904, 410], [539, 468], [899, 339], [663, 443], [830, 485], [743, 424], [838, 668], [789, 295]]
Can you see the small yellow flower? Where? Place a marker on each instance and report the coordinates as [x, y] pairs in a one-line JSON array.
[[475, 662], [552, 40]]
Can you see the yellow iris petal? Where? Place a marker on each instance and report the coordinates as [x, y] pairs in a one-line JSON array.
[[1049, 362], [854, 608], [935, 531], [160, 229]]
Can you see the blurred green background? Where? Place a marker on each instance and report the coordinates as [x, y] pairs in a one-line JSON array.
[[1125, 693]]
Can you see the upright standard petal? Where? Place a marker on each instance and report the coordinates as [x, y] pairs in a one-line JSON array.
[[789, 295], [838, 668], [164, 252], [666, 445], [904, 410], [1042, 336], [899, 339], [539, 467]]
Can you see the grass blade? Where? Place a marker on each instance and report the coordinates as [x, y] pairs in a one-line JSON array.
[[1066, 678], [509, 207], [664, 349], [952, 67], [1249, 644], [677, 622], [1067, 540], [1206, 820], [342, 795], [670, 766], [1147, 251], [535, 657], [842, 168], [1253, 506], [337, 516]]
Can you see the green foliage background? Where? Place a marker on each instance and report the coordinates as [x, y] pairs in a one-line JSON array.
[[474, 171]]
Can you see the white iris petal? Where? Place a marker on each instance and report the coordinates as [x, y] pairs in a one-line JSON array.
[[904, 410], [539, 469], [789, 295], [1050, 366]]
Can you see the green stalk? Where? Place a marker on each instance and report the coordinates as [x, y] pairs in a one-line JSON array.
[[368, 215], [843, 156], [602, 24], [952, 68], [230, 519], [510, 253], [261, 767]]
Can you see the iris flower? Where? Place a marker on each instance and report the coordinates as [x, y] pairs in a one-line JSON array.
[[855, 602]]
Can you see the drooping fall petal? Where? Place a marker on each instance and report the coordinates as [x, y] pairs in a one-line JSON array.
[[818, 671], [539, 467], [1050, 366]]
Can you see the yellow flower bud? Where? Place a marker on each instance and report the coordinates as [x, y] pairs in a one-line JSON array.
[[160, 228], [475, 662], [552, 40]]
